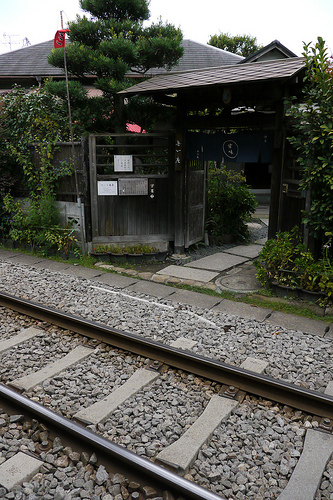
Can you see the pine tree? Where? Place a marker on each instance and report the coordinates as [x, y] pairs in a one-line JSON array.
[[112, 41]]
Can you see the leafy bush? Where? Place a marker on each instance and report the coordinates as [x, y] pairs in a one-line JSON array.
[[285, 261], [230, 204], [312, 138], [34, 120], [37, 224]]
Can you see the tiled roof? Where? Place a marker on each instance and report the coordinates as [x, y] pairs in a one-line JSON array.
[[199, 55], [240, 73], [29, 61], [32, 60]]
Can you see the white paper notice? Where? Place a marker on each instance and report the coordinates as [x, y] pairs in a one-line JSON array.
[[107, 188]]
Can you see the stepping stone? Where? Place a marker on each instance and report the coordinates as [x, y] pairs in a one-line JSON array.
[[18, 469], [187, 273], [115, 280], [250, 251], [52, 265], [305, 325], [101, 410], [195, 299], [7, 254], [29, 260], [182, 453], [152, 289], [29, 381], [24, 335], [306, 478], [217, 262], [242, 310], [82, 272]]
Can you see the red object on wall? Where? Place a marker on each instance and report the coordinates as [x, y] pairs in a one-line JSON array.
[[59, 38]]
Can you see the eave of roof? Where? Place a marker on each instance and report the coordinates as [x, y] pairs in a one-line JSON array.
[[281, 69]]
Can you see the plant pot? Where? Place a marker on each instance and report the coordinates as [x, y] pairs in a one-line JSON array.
[[284, 291], [150, 256], [134, 258], [103, 257], [311, 296], [118, 258], [161, 256]]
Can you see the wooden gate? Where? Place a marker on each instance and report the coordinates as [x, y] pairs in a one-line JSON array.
[[195, 195], [131, 187]]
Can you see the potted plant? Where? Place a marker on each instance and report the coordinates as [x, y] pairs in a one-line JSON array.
[[149, 253], [101, 252], [134, 253], [117, 254]]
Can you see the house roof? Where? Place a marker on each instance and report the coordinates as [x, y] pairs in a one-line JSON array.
[[274, 50], [29, 62], [280, 69], [199, 55], [32, 61]]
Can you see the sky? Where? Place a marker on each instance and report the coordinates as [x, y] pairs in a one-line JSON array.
[[292, 22]]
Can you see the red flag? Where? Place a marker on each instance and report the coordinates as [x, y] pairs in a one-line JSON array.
[[59, 39]]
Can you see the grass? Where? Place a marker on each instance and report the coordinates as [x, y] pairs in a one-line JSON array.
[[267, 301]]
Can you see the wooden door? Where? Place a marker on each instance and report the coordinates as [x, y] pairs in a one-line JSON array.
[[195, 200]]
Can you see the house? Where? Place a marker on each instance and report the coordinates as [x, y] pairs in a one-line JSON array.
[[241, 95], [274, 50], [248, 98], [29, 66]]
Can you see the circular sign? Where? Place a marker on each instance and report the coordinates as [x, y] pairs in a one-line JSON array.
[[230, 149]]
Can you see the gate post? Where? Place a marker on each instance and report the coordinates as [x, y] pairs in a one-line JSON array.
[[93, 185], [179, 179]]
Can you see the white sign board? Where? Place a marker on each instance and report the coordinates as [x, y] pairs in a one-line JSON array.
[[123, 163], [107, 188]]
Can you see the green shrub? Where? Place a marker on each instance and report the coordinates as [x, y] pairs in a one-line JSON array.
[[285, 261], [37, 224], [230, 204]]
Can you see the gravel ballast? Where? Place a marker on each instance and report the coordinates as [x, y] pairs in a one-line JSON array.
[[250, 456]]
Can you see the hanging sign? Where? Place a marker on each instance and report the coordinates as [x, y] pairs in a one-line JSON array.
[[59, 38], [178, 152], [230, 149]]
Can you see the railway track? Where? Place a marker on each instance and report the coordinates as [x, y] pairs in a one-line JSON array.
[[235, 383]]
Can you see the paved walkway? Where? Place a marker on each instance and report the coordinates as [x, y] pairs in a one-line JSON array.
[[231, 270]]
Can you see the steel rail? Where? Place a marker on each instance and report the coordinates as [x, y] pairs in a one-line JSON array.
[[129, 462], [297, 397]]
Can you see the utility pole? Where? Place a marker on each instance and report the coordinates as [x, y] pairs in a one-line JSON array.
[[79, 204]]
